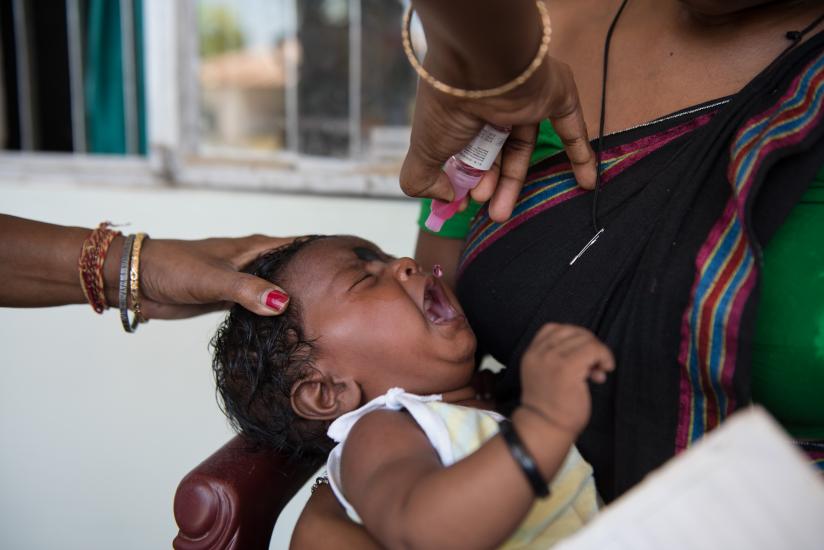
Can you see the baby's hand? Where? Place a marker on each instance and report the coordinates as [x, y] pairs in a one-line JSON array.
[[554, 373]]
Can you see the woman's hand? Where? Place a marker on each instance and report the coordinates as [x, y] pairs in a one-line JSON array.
[[444, 124], [38, 268], [185, 278]]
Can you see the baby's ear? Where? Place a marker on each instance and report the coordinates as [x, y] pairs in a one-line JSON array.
[[320, 397]]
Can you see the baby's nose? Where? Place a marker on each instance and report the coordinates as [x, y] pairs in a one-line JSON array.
[[406, 267]]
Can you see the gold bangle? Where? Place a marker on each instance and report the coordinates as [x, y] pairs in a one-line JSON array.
[[134, 278], [478, 94]]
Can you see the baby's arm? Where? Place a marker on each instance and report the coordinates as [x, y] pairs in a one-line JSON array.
[[324, 525], [407, 499]]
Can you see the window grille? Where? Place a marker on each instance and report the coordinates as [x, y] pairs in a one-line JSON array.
[[296, 95]]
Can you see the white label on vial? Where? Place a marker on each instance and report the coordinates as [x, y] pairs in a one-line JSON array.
[[484, 148]]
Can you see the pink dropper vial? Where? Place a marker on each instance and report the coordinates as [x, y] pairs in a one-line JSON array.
[[466, 169]]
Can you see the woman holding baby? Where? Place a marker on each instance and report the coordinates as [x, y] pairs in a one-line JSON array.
[[694, 256]]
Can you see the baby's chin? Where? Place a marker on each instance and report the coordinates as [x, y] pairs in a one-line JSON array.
[[464, 344], [465, 361]]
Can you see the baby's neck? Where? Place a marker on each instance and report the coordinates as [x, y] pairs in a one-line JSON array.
[[468, 397], [461, 394]]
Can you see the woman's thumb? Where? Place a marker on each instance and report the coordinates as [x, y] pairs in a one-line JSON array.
[[420, 177], [256, 294]]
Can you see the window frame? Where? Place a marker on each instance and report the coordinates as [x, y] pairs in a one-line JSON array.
[[174, 157]]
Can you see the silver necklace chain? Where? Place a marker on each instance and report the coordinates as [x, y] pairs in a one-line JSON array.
[[673, 116]]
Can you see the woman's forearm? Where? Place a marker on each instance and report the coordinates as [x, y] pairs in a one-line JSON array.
[[479, 43], [38, 263]]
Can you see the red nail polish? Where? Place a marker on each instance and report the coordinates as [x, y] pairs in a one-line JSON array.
[[276, 300]]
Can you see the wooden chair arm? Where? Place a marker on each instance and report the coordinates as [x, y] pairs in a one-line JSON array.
[[232, 499]]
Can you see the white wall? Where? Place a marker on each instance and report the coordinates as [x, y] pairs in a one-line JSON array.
[[97, 427]]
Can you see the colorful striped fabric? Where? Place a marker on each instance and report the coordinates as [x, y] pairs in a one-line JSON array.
[[556, 185], [815, 450], [726, 271]]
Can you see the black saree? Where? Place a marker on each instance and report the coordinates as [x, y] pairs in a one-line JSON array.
[[671, 285]]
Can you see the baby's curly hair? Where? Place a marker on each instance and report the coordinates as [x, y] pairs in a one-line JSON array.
[[257, 360]]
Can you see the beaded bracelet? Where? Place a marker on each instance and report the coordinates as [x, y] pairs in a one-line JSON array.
[[523, 458], [90, 265], [478, 94]]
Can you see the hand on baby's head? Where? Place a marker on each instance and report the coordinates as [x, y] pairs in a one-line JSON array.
[[555, 370]]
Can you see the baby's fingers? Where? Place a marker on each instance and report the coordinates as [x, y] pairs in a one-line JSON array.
[[598, 377], [588, 356], [562, 337], [603, 363]]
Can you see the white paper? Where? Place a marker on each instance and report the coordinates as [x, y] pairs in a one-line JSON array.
[[745, 485]]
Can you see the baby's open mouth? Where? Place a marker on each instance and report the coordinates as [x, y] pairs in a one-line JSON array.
[[436, 305]]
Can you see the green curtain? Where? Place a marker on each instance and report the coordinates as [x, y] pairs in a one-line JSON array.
[[105, 112]]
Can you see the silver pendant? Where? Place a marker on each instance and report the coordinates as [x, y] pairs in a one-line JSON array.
[[586, 246]]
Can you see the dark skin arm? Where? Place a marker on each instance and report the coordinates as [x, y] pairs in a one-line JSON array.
[[461, 54], [38, 268], [324, 515]]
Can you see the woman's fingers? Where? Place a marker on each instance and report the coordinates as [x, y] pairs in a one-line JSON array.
[[255, 294], [249, 248], [514, 165], [516, 153], [185, 278], [157, 310], [443, 125], [422, 177], [503, 201], [440, 129], [489, 181], [568, 121], [573, 134]]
